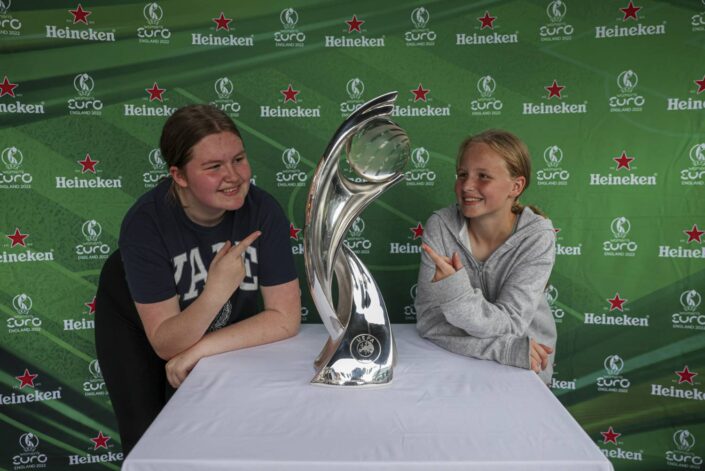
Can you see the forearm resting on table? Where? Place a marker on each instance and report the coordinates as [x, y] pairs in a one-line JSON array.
[[266, 327], [171, 331]]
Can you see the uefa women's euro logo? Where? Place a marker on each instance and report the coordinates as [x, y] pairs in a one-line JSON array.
[[486, 104], [627, 100], [84, 103], [695, 174], [291, 176], [12, 177], [23, 320], [613, 381], [289, 35], [224, 88], [29, 457], [689, 317], [95, 384], [556, 29], [420, 174], [620, 244], [354, 88], [92, 248], [356, 241], [682, 457], [420, 35], [553, 174], [153, 32]]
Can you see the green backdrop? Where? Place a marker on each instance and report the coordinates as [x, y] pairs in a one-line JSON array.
[[609, 95]]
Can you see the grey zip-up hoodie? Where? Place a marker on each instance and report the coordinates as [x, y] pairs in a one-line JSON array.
[[489, 310]]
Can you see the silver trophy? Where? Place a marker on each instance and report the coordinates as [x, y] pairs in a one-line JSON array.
[[360, 350]]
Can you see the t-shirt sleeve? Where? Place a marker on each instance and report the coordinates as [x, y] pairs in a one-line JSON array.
[[148, 269], [276, 264]]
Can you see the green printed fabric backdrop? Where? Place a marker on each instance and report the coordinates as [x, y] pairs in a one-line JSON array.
[[609, 95]]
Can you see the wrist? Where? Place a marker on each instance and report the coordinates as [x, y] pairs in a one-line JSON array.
[[214, 295]]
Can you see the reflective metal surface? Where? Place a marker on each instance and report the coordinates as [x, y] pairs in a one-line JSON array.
[[360, 350]]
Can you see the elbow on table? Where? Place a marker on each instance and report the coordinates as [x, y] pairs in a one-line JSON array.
[[292, 322]]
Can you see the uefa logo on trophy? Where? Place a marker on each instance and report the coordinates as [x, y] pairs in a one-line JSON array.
[[360, 350]]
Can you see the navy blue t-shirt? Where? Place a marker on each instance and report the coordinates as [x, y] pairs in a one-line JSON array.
[[165, 253]]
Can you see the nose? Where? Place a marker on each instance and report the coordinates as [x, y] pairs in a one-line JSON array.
[[231, 173], [468, 184]]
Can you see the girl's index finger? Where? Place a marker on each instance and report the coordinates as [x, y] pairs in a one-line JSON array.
[[437, 259], [240, 248]]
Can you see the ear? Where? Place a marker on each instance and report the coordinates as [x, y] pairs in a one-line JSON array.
[[178, 176], [518, 186]]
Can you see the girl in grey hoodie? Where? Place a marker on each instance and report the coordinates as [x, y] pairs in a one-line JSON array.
[[487, 260]]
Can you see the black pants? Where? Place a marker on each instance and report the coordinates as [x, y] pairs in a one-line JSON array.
[[133, 373]]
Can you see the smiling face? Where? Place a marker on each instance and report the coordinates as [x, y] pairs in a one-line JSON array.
[[484, 188], [216, 178]]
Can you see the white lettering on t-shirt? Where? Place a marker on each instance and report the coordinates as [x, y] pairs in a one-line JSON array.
[[198, 273], [250, 283], [179, 262]]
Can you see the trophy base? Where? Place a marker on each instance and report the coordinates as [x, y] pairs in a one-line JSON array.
[[361, 361]]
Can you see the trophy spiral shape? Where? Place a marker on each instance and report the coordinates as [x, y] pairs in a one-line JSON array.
[[360, 350]]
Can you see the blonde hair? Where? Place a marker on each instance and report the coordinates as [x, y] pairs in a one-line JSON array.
[[513, 151]]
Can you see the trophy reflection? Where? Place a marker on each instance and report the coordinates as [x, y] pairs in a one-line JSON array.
[[360, 350]]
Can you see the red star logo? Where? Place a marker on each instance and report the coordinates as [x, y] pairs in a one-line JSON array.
[[17, 238], [293, 232], [417, 231], [222, 22], [623, 161], [610, 436], [554, 90], [7, 88], [694, 234], [630, 11], [101, 441], [685, 376], [27, 379], [80, 15], [354, 24], [420, 93], [155, 93], [290, 94], [88, 164], [90, 306], [486, 21], [616, 303], [701, 85]]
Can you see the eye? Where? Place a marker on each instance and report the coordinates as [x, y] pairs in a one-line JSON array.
[[484, 176], [461, 175], [213, 167]]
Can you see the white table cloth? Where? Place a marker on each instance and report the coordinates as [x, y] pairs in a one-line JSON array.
[[254, 409]]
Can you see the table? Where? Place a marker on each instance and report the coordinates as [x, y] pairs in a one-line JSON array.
[[254, 409]]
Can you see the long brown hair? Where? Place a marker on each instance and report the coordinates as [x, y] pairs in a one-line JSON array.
[[513, 151]]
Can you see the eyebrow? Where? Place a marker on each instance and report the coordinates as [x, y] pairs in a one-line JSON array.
[[475, 169], [215, 161]]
